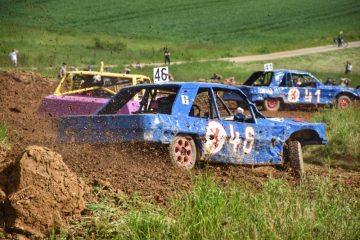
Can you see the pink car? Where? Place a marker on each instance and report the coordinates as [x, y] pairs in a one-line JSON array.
[[83, 92]]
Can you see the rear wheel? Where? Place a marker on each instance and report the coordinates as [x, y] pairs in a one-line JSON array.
[[272, 104], [294, 157], [183, 152], [343, 102]]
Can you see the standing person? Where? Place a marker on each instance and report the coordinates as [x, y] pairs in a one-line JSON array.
[[340, 39], [13, 57], [348, 68], [167, 56], [62, 70]]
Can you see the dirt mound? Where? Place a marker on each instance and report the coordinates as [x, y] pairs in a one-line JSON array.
[[41, 193]]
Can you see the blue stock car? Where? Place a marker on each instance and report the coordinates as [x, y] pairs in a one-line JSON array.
[[274, 89], [198, 123]]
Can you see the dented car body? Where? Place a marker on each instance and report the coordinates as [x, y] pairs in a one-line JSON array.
[[197, 122], [274, 89]]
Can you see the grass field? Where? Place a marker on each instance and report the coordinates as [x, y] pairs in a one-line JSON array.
[[47, 33], [322, 65]]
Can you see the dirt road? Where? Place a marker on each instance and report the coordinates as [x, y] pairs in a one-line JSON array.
[[287, 54], [265, 57]]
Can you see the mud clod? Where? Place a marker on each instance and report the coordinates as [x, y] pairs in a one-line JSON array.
[[42, 193]]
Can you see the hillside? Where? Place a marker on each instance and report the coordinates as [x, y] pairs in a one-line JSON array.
[[199, 21]]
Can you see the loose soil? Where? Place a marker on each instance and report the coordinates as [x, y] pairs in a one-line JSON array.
[[122, 167]]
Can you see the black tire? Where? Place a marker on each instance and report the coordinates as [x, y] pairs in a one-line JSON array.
[[183, 152], [271, 104], [294, 157], [343, 102]]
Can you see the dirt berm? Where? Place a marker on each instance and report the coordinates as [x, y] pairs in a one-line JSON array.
[[40, 193]]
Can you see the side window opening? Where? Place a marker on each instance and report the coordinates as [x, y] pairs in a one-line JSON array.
[[300, 80], [142, 100], [286, 82], [229, 103], [203, 106]]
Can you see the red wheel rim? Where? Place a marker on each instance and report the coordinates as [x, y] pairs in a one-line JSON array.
[[183, 152], [271, 103], [344, 103]]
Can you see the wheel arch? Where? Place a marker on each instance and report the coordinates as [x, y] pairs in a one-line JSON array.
[[351, 95], [306, 137]]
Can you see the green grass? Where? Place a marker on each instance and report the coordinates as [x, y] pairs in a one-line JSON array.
[[314, 209], [3, 137], [322, 65], [250, 23], [46, 33], [343, 134]]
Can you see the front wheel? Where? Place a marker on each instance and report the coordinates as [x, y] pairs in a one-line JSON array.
[[343, 102], [272, 104], [183, 152], [294, 157]]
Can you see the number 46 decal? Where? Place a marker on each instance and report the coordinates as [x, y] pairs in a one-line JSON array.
[[308, 95]]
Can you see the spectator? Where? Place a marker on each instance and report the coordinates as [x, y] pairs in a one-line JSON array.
[[167, 56], [344, 82], [13, 57], [62, 70], [340, 39], [348, 68], [330, 81], [216, 77], [127, 70]]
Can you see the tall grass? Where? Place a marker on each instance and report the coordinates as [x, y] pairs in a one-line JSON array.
[[3, 137], [314, 209], [343, 134]]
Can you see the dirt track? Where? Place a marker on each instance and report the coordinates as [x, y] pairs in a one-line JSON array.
[[270, 56], [124, 167]]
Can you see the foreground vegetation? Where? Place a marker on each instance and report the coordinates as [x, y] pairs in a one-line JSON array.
[[314, 209], [343, 133], [3, 137]]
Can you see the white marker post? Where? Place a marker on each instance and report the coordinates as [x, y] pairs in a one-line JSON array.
[[268, 67], [161, 74]]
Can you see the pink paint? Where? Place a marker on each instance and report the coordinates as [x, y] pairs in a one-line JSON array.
[[58, 106]]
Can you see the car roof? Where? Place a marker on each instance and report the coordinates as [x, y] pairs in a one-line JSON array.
[[291, 71]]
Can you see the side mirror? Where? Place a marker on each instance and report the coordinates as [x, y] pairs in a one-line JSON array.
[[239, 115]]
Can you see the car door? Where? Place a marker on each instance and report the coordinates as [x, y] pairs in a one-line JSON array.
[[240, 140], [305, 90]]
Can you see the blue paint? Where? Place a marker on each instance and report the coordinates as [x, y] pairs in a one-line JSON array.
[[282, 84]]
